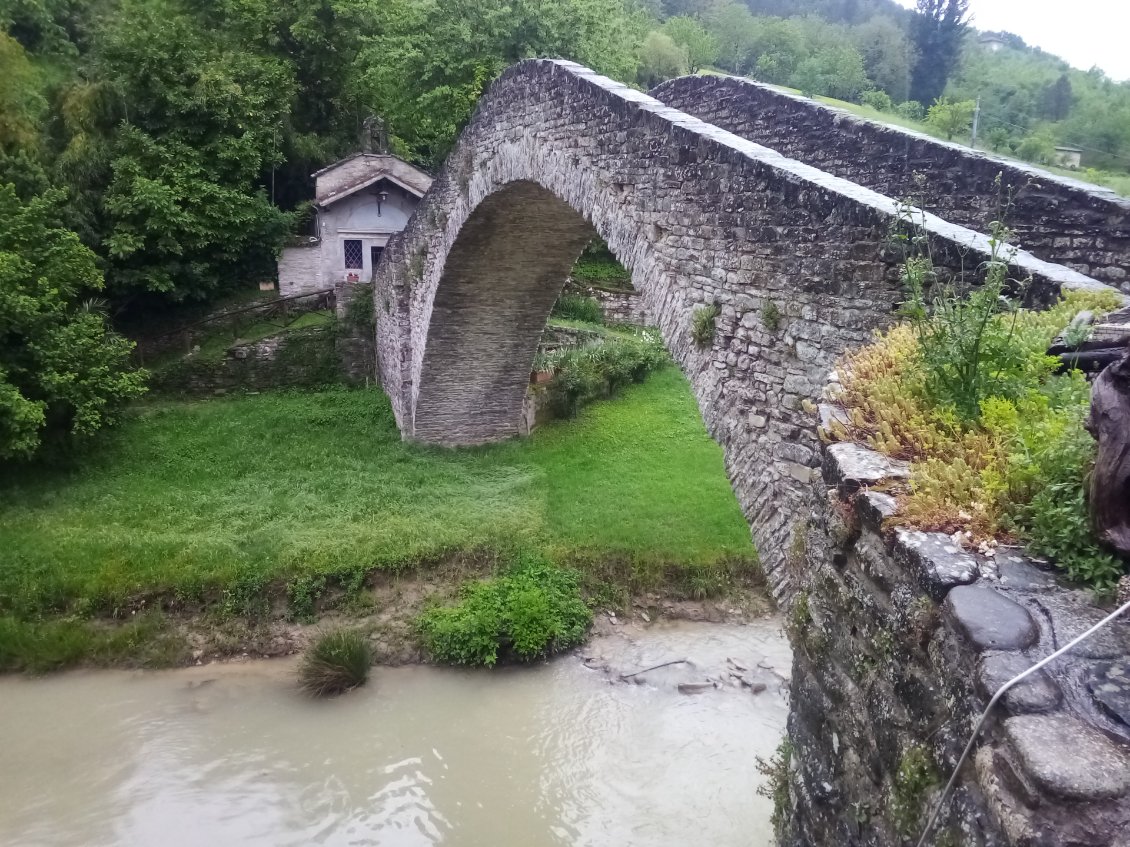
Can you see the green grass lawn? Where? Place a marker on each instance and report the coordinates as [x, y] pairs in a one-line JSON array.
[[216, 502]]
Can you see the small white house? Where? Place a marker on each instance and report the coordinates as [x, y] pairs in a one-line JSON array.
[[359, 203]]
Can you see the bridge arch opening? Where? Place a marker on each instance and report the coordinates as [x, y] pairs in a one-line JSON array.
[[498, 284]]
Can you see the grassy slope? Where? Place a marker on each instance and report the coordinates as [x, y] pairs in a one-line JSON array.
[[192, 500]]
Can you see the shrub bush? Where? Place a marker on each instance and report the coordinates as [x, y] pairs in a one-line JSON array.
[[533, 610], [598, 265], [879, 100], [578, 308], [912, 110], [583, 374], [1018, 467], [334, 663]]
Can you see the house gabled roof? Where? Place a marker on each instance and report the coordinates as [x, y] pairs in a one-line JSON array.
[[373, 168]]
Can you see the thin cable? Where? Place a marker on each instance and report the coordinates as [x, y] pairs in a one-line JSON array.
[[1110, 153], [1003, 689]]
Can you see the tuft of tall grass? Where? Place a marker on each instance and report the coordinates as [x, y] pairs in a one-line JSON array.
[[336, 662]]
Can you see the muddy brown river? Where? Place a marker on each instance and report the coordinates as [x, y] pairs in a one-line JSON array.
[[563, 753]]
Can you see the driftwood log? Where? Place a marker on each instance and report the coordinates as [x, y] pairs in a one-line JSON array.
[[1109, 422]]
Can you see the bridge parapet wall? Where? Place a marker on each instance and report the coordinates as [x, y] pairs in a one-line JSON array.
[[1057, 218], [899, 640]]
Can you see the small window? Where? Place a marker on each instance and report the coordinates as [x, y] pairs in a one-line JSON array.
[[354, 257]]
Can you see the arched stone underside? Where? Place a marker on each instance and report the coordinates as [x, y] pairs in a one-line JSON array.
[[500, 280], [698, 216]]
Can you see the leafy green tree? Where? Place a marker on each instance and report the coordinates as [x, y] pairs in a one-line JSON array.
[[63, 374], [951, 117], [888, 55], [836, 72], [999, 139], [938, 30], [660, 59], [735, 32], [1038, 148], [1057, 99], [318, 42], [700, 46], [44, 26], [21, 104], [424, 71], [185, 130], [778, 48]]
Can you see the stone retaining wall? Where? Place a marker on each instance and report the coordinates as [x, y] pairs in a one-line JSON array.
[[1056, 218], [310, 357], [900, 638], [620, 307]]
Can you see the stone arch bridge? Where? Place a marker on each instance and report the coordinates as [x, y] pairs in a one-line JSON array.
[[699, 216]]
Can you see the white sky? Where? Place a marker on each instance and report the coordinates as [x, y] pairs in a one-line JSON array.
[[1083, 32]]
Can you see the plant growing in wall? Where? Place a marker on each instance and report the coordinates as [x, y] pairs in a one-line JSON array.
[[965, 390], [703, 324], [771, 316]]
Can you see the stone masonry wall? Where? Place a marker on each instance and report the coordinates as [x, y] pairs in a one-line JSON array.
[[699, 217], [899, 639], [356, 346], [1056, 218], [300, 269], [309, 357], [620, 307]]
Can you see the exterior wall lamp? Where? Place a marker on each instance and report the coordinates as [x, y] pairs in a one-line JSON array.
[[382, 196]]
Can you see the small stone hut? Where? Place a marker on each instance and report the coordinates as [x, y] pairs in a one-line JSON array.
[[359, 203]]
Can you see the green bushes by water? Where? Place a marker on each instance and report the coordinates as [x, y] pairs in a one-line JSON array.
[[533, 610]]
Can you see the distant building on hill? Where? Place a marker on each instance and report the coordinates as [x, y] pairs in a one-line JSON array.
[[1069, 157], [993, 41], [359, 203]]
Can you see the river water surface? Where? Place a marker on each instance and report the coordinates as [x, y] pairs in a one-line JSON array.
[[559, 754]]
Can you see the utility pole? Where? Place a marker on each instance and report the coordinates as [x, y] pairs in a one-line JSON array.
[[976, 122]]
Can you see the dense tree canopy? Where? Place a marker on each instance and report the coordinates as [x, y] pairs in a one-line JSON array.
[[63, 375], [938, 31]]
